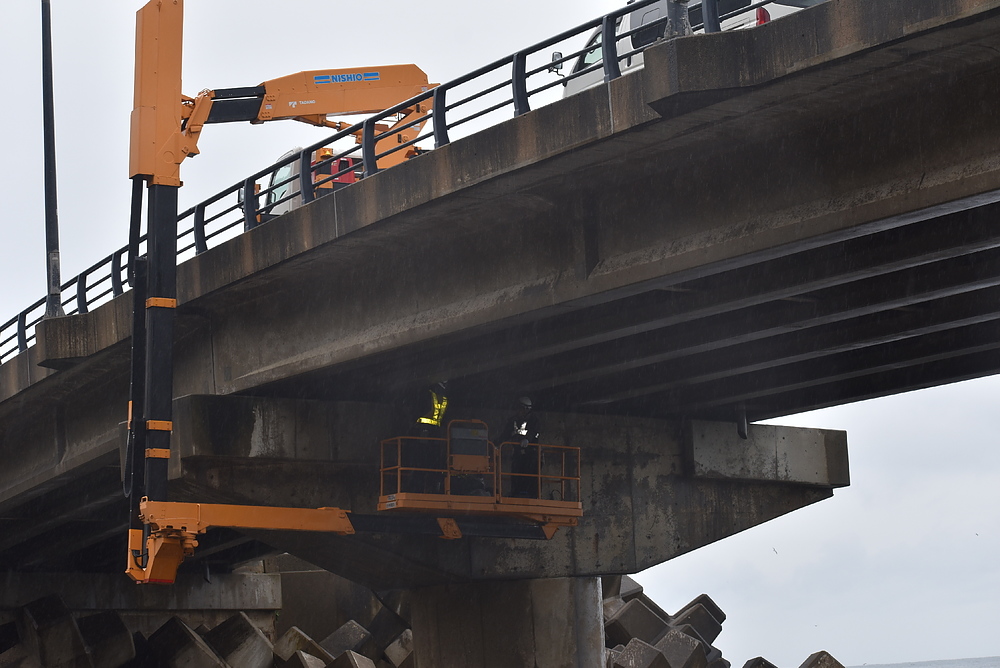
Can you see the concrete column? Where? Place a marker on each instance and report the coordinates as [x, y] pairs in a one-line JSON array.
[[555, 622]]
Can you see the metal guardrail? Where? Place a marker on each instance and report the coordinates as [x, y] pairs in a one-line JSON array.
[[463, 106]]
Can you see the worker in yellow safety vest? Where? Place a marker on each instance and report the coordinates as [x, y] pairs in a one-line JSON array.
[[430, 424], [423, 453]]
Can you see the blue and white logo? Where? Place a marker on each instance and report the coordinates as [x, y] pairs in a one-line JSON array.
[[345, 78]]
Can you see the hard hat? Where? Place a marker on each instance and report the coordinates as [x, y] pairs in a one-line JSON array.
[[525, 401]]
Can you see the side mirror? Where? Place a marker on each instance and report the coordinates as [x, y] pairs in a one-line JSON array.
[[557, 62]]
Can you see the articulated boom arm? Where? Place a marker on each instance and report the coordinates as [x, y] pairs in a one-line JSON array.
[[311, 97], [174, 528]]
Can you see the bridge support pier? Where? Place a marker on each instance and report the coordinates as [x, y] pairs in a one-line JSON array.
[[554, 622]]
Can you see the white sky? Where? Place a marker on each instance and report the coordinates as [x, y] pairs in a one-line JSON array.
[[901, 566]]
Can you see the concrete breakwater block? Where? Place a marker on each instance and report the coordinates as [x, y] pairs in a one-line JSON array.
[[18, 657], [300, 660], [108, 640], [176, 645], [701, 620], [758, 662], [50, 634], [634, 620], [821, 659], [9, 637], [348, 638], [240, 643], [639, 654], [294, 640], [681, 650], [352, 660], [400, 650]]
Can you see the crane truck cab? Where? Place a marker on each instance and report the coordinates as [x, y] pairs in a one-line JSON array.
[[283, 191], [587, 72]]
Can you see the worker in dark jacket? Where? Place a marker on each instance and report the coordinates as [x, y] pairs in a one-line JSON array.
[[522, 429]]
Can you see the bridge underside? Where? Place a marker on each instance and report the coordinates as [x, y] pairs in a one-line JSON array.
[[767, 221]]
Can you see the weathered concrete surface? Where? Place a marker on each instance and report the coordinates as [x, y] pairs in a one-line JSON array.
[[807, 456], [631, 210], [554, 623], [640, 507], [239, 642], [145, 609]]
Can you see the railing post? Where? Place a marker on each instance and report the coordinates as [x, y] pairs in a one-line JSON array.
[[609, 49], [22, 334], [439, 118], [249, 205], [520, 84], [368, 146], [116, 273], [710, 15], [678, 23], [306, 177], [81, 293], [200, 241]]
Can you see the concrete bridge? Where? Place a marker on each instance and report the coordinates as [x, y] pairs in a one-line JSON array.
[[757, 223]]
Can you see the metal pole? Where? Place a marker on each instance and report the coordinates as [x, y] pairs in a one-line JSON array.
[[53, 299]]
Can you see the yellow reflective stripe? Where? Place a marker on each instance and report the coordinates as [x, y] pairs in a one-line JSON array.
[[437, 413]]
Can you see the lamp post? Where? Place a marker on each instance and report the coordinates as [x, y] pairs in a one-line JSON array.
[[53, 298]]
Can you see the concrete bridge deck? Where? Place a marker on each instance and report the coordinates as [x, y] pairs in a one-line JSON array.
[[767, 221]]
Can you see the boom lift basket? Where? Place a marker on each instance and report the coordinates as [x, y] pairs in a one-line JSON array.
[[466, 474]]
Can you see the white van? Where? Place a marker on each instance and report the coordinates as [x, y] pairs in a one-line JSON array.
[[643, 38]]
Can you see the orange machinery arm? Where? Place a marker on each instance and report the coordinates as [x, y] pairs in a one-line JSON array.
[[312, 96], [166, 125], [174, 527]]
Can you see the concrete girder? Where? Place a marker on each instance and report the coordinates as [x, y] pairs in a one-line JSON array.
[[651, 490]]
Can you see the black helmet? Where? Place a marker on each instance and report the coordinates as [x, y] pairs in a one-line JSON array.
[[524, 401]]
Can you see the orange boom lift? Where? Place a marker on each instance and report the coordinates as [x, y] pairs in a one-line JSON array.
[[165, 127]]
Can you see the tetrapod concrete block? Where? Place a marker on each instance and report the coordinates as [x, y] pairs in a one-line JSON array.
[[352, 660], [18, 657], [240, 643], [639, 654], [698, 616], [294, 640], [300, 660], [400, 650], [759, 662], [9, 636], [108, 639], [611, 586], [629, 588], [176, 645], [611, 606], [634, 620], [681, 650], [821, 659], [50, 633], [349, 637], [610, 654], [710, 605]]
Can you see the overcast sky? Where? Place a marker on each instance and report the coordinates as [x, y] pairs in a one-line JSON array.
[[901, 566]]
